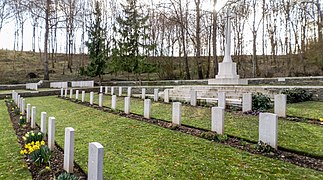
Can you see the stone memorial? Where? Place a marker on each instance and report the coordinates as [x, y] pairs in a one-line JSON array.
[[176, 113], [120, 91], [156, 94], [129, 92], [28, 113], [33, 117], [77, 95], [100, 100], [91, 97], [95, 161], [43, 122], [127, 105], [166, 95], [71, 93], [268, 129], [114, 102], [221, 99], [143, 93], [147, 108], [280, 105], [83, 96], [112, 91], [69, 150], [51, 133], [193, 98], [217, 120], [246, 102], [106, 90]]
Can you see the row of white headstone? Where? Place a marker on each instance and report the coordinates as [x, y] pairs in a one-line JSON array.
[[95, 158], [32, 86], [82, 83]]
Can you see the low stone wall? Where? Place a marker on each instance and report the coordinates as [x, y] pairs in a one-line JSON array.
[[12, 87], [317, 80]]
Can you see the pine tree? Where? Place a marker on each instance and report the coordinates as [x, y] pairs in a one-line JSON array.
[[96, 47], [131, 51]]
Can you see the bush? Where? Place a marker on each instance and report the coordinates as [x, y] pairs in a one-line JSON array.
[[260, 102], [297, 95], [38, 152], [66, 176]]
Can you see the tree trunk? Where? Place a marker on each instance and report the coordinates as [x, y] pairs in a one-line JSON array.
[[215, 56], [46, 73]]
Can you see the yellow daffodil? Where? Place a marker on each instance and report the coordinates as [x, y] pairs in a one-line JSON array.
[[47, 167], [321, 119], [22, 152], [42, 143], [24, 138], [39, 133], [32, 134]]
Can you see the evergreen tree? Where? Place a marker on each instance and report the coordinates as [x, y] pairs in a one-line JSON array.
[[130, 50], [96, 47]]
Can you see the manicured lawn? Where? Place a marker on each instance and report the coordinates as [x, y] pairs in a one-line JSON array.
[[25, 90], [309, 109], [12, 164], [292, 135], [138, 150]]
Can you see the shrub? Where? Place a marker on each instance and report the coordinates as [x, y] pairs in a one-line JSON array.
[[260, 102], [66, 176], [264, 148], [38, 152], [33, 137], [297, 95]]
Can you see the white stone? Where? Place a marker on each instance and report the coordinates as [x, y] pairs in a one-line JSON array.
[[28, 113], [268, 130], [83, 96], [18, 101], [101, 89], [100, 99], [176, 113], [156, 94], [281, 79], [77, 95], [65, 95], [33, 117], [62, 92], [246, 102], [127, 105], [221, 99], [12, 94], [43, 122], [280, 105], [120, 91], [91, 97], [71, 93], [22, 107], [69, 150], [112, 91], [95, 161], [106, 90], [129, 92], [218, 120], [193, 98], [166, 95], [143, 93], [114, 102], [51, 133], [147, 108]]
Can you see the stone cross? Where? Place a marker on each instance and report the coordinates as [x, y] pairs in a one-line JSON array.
[[33, 117], [69, 150], [268, 129], [51, 133], [147, 108], [176, 113], [280, 105], [217, 120], [246, 102], [95, 161], [43, 122]]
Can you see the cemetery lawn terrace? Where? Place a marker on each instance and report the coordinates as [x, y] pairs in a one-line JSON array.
[[295, 136], [308, 109], [138, 150], [12, 164]]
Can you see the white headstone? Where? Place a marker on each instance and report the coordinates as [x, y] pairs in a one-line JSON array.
[[28, 113], [106, 90], [112, 91], [246, 102], [221, 99], [65, 95], [22, 107], [143, 93], [120, 91], [62, 92], [147, 108], [69, 150], [91, 98], [77, 95], [18, 101], [193, 98], [114, 102], [33, 117], [218, 120], [71, 93], [51, 133], [12, 94], [166, 95], [95, 161], [101, 89], [100, 99], [268, 130], [176, 114], [156, 94], [83, 96], [43, 122], [127, 105], [280, 105], [129, 92]]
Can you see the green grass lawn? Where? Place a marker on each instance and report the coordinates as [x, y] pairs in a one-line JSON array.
[[291, 135], [12, 164], [25, 90], [138, 150], [308, 109]]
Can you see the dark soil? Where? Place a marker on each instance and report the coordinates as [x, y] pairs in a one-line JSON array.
[[297, 158], [56, 160]]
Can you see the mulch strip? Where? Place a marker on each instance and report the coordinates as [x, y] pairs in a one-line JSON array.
[[297, 158], [56, 160]]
